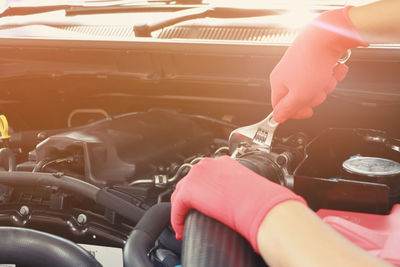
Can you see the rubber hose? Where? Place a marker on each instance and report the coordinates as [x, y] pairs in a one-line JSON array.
[[27, 247], [65, 182], [119, 205], [207, 242], [100, 196], [144, 235]]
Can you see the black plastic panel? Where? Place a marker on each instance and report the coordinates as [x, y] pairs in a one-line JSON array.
[[324, 183]]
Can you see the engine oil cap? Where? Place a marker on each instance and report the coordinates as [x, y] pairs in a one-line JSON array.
[[371, 166]]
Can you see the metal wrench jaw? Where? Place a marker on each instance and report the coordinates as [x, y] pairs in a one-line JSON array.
[[260, 133]]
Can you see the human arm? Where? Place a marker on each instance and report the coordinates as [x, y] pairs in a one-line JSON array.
[[293, 235], [272, 218], [308, 71], [378, 22]]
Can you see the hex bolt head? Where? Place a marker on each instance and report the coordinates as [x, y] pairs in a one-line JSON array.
[[300, 141], [281, 160], [82, 219], [24, 210]]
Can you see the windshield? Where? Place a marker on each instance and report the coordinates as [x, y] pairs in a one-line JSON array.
[[249, 3]]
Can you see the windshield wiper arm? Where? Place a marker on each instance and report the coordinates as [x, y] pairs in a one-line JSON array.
[[145, 30], [160, 6], [26, 8], [91, 6]]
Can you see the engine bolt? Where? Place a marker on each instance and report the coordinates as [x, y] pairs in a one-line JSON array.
[[300, 141], [281, 160], [82, 219], [41, 136], [24, 210]]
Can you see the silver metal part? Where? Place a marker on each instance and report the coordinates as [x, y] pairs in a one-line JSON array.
[[180, 170], [371, 166], [160, 180], [196, 160], [142, 181], [82, 219], [260, 133], [24, 210], [345, 57], [223, 149]]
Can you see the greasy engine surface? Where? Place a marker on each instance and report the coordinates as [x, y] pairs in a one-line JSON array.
[[124, 147]]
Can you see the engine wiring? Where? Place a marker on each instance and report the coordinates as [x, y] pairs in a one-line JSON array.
[[185, 167], [168, 180], [41, 165], [163, 194], [221, 150], [182, 170], [156, 179]]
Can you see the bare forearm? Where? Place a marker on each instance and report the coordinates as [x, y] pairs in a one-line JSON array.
[[378, 22], [293, 235]]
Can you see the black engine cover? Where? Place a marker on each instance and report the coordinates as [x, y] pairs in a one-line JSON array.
[[118, 149]]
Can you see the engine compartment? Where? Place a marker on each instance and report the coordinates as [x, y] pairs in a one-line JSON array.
[[138, 157], [149, 147], [131, 140]]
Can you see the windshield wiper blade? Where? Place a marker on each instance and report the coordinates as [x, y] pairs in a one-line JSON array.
[[28, 8], [92, 6], [160, 6], [145, 30]]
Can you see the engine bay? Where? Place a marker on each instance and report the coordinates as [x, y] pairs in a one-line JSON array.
[[135, 160], [149, 149]]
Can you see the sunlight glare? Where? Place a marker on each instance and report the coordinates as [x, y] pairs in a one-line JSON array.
[[296, 15]]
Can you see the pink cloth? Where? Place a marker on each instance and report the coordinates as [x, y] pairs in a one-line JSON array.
[[378, 234]]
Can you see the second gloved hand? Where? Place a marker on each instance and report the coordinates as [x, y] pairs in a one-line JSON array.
[[227, 191], [309, 71]]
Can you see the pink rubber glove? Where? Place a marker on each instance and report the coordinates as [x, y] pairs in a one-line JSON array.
[[308, 71], [227, 191]]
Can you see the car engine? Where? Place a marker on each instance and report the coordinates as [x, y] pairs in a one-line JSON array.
[[122, 148], [135, 160]]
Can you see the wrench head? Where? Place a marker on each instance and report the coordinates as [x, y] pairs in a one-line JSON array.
[[260, 133]]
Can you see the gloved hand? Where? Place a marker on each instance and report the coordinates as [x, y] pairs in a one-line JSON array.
[[227, 191], [308, 71]]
